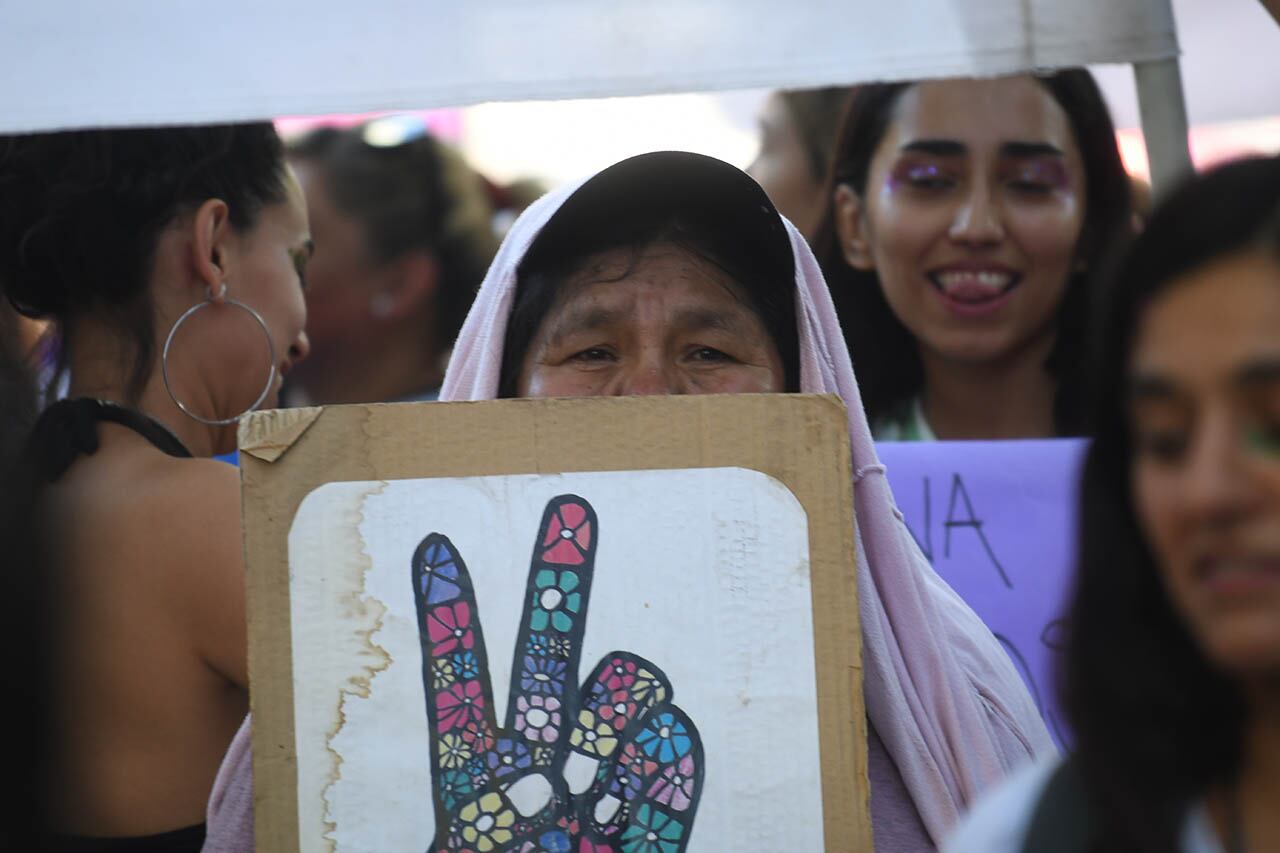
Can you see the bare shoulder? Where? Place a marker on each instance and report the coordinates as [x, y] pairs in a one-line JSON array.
[[190, 512]]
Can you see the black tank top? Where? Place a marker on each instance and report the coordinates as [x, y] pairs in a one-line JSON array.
[[65, 431], [69, 429]]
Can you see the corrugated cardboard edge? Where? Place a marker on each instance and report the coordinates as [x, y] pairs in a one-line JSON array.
[[269, 435]]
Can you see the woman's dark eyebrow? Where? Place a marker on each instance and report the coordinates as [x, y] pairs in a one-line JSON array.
[[936, 147], [1141, 388], [697, 319], [1030, 149], [583, 319], [1258, 373]]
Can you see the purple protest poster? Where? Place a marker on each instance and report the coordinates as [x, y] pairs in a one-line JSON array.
[[997, 520]]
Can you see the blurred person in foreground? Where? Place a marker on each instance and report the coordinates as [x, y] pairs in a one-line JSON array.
[[171, 263], [1171, 676], [25, 606], [404, 232]]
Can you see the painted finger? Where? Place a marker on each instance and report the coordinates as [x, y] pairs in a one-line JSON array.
[[620, 690], [455, 677], [651, 794], [543, 695]]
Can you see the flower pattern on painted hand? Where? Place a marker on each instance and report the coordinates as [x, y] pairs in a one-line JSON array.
[[448, 627], [543, 675], [466, 665], [618, 709], [508, 757], [442, 673], [647, 754], [539, 645], [485, 823], [454, 751], [619, 675], [554, 600], [568, 536], [461, 704], [664, 738], [648, 689], [675, 786], [478, 735], [652, 831], [555, 841], [630, 772], [593, 736], [538, 718], [454, 785]]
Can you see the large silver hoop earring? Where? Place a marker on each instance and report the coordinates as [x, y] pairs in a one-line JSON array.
[[168, 342]]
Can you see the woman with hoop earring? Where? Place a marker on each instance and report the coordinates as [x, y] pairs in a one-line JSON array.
[[171, 262]]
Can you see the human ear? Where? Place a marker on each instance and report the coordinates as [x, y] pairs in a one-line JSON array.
[[411, 280], [211, 231], [851, 228]]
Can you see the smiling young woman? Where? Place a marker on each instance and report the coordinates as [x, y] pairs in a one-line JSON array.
[[967, 220]]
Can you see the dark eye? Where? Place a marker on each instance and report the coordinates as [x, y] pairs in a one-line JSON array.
[[1030, 187], [709, 354], [1264, 438], [1165, 446], [926, 177], [592, 354]]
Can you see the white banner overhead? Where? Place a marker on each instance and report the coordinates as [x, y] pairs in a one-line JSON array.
[[79, 63]]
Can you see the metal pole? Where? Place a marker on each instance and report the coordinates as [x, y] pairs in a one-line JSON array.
[[1164, 122]]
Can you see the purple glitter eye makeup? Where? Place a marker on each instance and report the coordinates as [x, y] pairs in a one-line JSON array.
[[1040, 174], [917, 175]]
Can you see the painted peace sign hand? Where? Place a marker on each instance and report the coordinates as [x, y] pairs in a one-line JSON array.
[[611, 767]]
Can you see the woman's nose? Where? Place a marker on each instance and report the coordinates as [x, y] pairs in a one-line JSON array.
[[978, 220], [300, 348], [648, 378], [1216, 486]]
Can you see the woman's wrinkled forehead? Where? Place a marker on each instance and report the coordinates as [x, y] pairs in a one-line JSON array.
[[656, 262]]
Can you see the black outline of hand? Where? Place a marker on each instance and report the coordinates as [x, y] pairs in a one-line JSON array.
[[612, 766]]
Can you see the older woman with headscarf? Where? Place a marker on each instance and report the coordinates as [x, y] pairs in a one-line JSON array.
[[672, 273]]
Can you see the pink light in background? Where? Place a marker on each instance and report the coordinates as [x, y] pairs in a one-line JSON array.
[[1210, 144], [444, 124]]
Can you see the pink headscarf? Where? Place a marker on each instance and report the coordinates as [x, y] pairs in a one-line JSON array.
[[941, 694], [940, 691]]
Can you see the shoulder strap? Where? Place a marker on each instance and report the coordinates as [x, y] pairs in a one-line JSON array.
[[1062, 820], [69, 429]]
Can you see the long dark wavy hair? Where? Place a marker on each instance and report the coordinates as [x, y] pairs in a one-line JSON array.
[[885, 354], [1155, 723]]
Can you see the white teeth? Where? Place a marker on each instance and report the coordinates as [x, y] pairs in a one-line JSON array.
[[984, 278]]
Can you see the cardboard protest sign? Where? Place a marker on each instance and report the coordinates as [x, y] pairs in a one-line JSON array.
[[530, 624], [998, 521], [146, 62]]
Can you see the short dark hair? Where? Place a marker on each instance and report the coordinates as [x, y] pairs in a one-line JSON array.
[[83, 212], [540, 279], [419, 194], [884, 352], [1155, 722]]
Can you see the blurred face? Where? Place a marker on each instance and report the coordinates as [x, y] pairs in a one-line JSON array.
[[272, 257], [972, 213], [662, 322], [782, 167], [338, 290], [1204, 409]]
